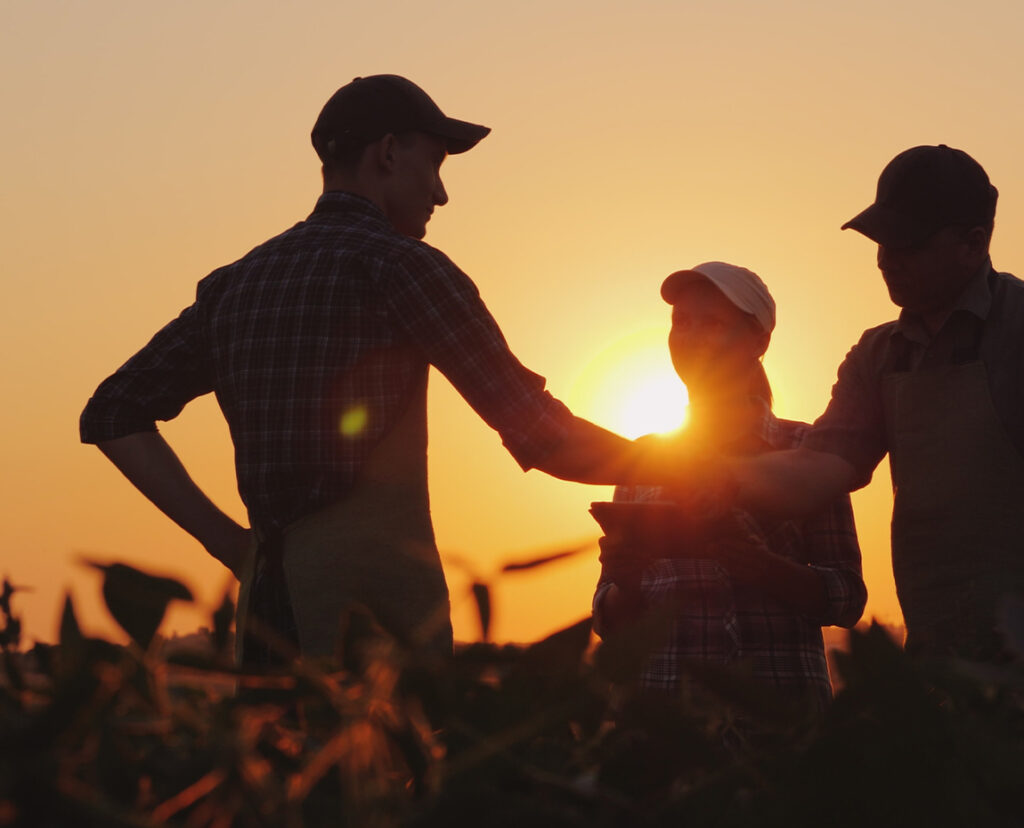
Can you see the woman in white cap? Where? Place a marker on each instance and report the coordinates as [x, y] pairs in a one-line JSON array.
[[751, 591]]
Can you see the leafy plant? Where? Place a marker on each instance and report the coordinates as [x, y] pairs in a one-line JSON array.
[[94, 734]]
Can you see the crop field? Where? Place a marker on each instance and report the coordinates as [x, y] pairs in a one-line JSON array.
[[547, 734]]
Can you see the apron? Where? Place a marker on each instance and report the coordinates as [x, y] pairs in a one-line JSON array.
[[958, 512], [374, 548]]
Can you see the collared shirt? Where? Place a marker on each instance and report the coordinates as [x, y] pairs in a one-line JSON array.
[[721, 620], [313, 343], [987, 324]]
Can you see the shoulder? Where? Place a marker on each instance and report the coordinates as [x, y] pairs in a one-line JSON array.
[[420, 272], [1006, 317], [1008, 280], [1007, 288], [867, 359], [276, 248], [404, 251], [876, 338]]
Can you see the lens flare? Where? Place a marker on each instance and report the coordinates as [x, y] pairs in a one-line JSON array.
[[354, 421]]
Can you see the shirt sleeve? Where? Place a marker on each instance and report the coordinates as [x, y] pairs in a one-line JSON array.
[[832, 550], [853, 425], [155, 384], [440, 309]]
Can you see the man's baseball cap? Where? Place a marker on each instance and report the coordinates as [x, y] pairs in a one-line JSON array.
[[369, 108], [921, 191], [740, 286]]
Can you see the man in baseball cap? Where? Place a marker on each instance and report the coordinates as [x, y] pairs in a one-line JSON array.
[[317, 344], [387, 124], [939, 391]]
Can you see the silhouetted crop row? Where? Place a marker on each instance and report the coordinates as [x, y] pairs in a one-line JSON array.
[[96, 734]]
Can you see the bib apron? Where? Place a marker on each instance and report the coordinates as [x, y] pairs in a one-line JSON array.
[[375, 548], [958, 513]]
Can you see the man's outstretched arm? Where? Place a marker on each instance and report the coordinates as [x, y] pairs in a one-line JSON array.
[[789, 484], [782, 484], [591, 454], [151, 465]]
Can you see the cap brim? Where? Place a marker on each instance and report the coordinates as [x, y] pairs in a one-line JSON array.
[[888, 228], [674, 281], [461, 136]]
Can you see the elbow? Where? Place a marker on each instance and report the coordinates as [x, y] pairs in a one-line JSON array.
[[102, 422], [855, 612], [845, 597], [852, 610]]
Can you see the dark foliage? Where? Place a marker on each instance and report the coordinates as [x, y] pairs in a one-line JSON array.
[[93, 734]]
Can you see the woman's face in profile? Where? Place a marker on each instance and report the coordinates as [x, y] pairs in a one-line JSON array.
[[712, 342]]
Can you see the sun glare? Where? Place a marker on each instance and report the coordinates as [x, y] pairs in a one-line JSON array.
[[631, 388]]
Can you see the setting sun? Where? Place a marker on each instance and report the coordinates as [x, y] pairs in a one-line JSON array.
[[631, 388]]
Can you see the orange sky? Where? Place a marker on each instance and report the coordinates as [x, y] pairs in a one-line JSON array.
[[145, 144]]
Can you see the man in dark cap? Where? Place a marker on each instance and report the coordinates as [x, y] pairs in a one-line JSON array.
[[939, 390], [317, 344]]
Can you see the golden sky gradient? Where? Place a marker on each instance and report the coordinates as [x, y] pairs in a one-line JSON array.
[[146, 143]]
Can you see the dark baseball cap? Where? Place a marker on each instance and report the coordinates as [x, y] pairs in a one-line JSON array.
[[369, 108], [921, 191]]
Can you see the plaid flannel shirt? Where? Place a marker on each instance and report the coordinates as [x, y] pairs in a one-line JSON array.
[[720, 620], [333, 320]]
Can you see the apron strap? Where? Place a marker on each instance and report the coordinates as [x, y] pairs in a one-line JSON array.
[[269, 607]]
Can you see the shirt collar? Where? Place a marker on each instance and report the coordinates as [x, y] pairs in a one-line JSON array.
[[342, 201], [975, 299], [977, 296]]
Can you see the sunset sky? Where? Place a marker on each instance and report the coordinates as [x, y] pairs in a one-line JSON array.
[[146, 143]]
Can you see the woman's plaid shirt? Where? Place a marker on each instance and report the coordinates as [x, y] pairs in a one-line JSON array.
[[723, 621], [333, 321]]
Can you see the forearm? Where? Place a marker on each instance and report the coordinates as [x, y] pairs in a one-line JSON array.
[[591, 454], [782, 484], [788, 484], [154, 469], [777, 565]]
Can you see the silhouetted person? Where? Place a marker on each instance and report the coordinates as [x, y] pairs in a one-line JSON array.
[[940, 391], [317, 344], [753, 591]]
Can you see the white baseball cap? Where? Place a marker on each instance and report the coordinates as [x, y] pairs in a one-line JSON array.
[[740, 286]]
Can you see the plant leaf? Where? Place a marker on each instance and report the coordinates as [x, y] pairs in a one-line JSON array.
[[222, 618], [482, 596], [138, 600], [70, 633], [561, 651], [518, 566]]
